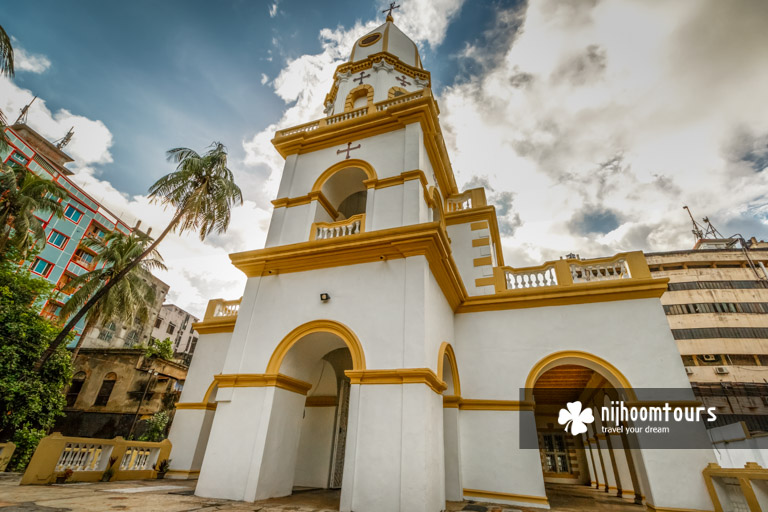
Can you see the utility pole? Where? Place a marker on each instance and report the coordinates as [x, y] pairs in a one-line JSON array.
[[152, 373]]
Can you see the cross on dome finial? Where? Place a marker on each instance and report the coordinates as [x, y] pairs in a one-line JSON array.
[[389, 10]]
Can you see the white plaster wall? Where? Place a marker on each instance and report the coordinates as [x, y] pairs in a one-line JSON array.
[[315, 446], [372, 299], [451, 448], [734, 449], [189, 435], [464, 255], [208, 361], [491, 457]]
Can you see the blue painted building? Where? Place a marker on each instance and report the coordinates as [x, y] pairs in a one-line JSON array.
[[63, 256]]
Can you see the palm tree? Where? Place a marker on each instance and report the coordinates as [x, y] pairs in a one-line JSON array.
[[22, 193], [130, 298], [6, 67], [202, 190]]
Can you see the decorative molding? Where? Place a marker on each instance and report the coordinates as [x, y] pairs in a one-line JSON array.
[[215, 325], [196, 406], [451, 401], [446, 350], [398, 376], [473, 404], [476, 215], [342, 331], [490, 495], [262, 380]]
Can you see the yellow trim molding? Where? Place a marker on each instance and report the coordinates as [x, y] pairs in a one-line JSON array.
[[399, 179], [484, 281], [652, 508], [262, 380], [477, 226], [399, 376], [751, 471], [315, 195], [393, 90], [473, 404], [481, 262], [197, 406], [481, 242], [321, 401], [340, 166], [446, 351], [180, 474], [428, 240], [215, 325], [490, 495], [577, 357], [475, 215], [451, 401], [362, 90], [330, 326]]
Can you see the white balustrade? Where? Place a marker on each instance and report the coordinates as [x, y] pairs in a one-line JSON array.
[[227, 308], [459, 202], [345, 116], [384, 105], [518, 279], [299, 129], [81, 457], [608, 271], [326, 231], [138, 458]]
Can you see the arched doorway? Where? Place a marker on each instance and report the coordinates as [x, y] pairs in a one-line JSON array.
[[448, 372], [586, 467], [318, 354]]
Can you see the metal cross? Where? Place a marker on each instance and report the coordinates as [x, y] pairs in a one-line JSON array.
[[403, 80], [391, 8], [362, 75], [349, 148]]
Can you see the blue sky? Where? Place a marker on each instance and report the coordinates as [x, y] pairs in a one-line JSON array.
[[185, 73], [590, 123]]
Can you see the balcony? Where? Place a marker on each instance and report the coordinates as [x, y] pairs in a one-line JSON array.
[[222, 308], [326, 230], [467, 200]]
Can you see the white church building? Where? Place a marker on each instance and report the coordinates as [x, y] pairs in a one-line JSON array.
[[381, 343]]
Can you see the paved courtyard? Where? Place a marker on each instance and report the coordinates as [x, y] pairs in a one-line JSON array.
[[176, 495]]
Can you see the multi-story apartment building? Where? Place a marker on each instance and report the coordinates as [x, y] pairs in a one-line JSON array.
[[717, 308], [63, 257], [175, 323]]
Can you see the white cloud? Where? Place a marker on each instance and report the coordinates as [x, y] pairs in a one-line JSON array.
[[273, 9], [264, 78], [30, 62], [610, 116]]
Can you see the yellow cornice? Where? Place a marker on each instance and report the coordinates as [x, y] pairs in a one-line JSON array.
[[422, 110], [321, 401], [196, 406], [399, 376], [428, 240], [471, 404], [315, 195], [584, 293], [215, 325], [451, 401], [523, 498], [481, 213], [399, 179], [261, 380]]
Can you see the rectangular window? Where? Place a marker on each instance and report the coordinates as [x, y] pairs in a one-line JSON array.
[[72, 213], [107, 332], [42, 267], [84, 258], [171, 327], [19, 158], [95, 231], [51, 310], [158, 323], [555, 454], [57, 239]]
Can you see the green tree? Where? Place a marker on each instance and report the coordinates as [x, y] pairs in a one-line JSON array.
[[21, 194], [131, 297], [6, 54], [156, 427], [202, 191], [162, 349], [30, 401]]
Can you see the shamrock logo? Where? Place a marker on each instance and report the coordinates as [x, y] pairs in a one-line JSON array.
[[575, 417]]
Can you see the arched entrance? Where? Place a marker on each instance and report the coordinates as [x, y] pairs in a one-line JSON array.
[[318, 353], [589, 466], [448, 372]]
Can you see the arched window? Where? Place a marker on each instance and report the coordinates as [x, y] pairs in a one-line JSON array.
[[106, 389], [74, 390], [394, 92], [359, 97], [347, 192]]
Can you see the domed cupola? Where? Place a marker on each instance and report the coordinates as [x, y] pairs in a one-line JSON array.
[[390, 39], [383, 65]]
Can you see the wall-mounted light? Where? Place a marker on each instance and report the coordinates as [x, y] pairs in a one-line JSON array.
[[325, 297]]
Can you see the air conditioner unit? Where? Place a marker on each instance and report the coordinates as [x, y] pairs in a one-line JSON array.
[[709, 357], [721, 370], [689, 370]]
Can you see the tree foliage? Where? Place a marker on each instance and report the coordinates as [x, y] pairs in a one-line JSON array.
[[30, 401], [162, 349], [156, 427]]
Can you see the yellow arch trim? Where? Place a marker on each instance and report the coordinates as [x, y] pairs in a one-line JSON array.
[[598, 364], [358, 92], [446, 350], [393, 90], [209, 393], [344, 164], [339, 329]]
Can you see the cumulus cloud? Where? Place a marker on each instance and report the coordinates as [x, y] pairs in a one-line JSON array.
[[273, 9], [605, 117], [29, 62]]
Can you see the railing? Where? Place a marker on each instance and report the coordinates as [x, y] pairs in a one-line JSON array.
[[572, 272], [354, 114], [473, 198], [6, 452], [733, 489], [534, 277], [346, 116], [88, 458], [600, 271], [222, 308], [397, 100], [326, 230]]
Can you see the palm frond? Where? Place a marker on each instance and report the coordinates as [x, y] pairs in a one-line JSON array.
[[6, 54]]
